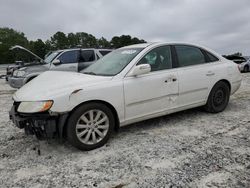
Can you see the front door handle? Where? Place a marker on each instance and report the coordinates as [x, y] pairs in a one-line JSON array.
[[174, 79], [171, 79]]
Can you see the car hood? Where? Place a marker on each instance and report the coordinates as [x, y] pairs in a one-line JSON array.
[[52, 84], [35, 68]]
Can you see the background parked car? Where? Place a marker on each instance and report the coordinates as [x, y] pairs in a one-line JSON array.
[[61, 60], [244, 65], [20, 63]]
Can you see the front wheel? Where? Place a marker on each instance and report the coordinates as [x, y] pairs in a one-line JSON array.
[[90, 126], [218, 98]]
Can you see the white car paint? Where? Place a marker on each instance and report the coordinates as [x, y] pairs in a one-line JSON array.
[[134, 98]]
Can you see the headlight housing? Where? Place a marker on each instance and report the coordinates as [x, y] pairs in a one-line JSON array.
[[19, 73], [34, 107]]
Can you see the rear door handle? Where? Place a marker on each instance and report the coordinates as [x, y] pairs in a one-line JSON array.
[[210, 73]]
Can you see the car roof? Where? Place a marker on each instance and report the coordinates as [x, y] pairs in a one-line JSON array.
[[141, 45], [155, 44], [70, 49], [144, 45]]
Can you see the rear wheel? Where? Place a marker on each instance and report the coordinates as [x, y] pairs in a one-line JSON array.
[[218, 98], [90, 126]]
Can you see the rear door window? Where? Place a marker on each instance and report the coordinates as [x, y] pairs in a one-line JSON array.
[[189, 55], [87, 56]]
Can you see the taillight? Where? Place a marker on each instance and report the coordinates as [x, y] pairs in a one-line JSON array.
[[239, 67]]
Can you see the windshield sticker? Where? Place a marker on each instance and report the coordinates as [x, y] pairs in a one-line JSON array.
[[128, 52]]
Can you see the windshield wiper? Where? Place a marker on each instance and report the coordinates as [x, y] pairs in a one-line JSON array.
[[91, 73]]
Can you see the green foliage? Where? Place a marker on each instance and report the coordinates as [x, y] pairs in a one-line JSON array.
[[38, 47], [10, 37], [124, 40], [59, 41]]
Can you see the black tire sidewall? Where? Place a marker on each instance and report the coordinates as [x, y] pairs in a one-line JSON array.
[[74, 117], [211, 107]]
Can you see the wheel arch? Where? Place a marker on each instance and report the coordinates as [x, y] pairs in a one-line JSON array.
[[30, 77], [110, 106], [222, 80], [227, 82]]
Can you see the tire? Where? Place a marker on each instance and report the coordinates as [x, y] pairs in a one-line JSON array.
[[218, 98], [246, 68], [85, 134]]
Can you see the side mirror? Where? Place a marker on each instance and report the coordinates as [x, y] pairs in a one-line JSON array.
[[140, 69], [56, 62]]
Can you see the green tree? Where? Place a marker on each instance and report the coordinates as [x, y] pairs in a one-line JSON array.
[[73, 40], [103, 43], [124, 40], [59, 41], [38, 47], [86, 40], [9, 38]]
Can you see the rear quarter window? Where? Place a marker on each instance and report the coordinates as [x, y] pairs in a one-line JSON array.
[[211, 57]]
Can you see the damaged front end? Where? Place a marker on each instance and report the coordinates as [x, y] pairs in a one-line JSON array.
[[43, 125]]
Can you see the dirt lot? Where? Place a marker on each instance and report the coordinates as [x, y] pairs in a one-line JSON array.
[[186, 149]]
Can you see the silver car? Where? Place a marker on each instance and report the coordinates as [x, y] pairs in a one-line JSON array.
[[73, 60], [245, 66]]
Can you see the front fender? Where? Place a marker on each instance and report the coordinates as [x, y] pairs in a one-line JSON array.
[[109, 94]]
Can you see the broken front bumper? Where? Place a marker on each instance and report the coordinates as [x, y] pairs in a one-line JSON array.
[[43, 125]]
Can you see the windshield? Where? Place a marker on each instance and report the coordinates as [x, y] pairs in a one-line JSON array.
[[51, 56], [113, 63]]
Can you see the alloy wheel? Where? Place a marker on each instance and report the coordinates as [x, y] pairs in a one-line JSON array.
[[92, 127]]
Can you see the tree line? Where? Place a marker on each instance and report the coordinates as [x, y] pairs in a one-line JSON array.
[[10, 37]]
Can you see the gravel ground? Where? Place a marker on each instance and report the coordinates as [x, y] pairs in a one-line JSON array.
[[185, 149]]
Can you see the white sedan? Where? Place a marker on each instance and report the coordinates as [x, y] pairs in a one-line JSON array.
[[131, 84]]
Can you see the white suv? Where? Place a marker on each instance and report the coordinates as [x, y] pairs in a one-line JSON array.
[[128, 85]]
